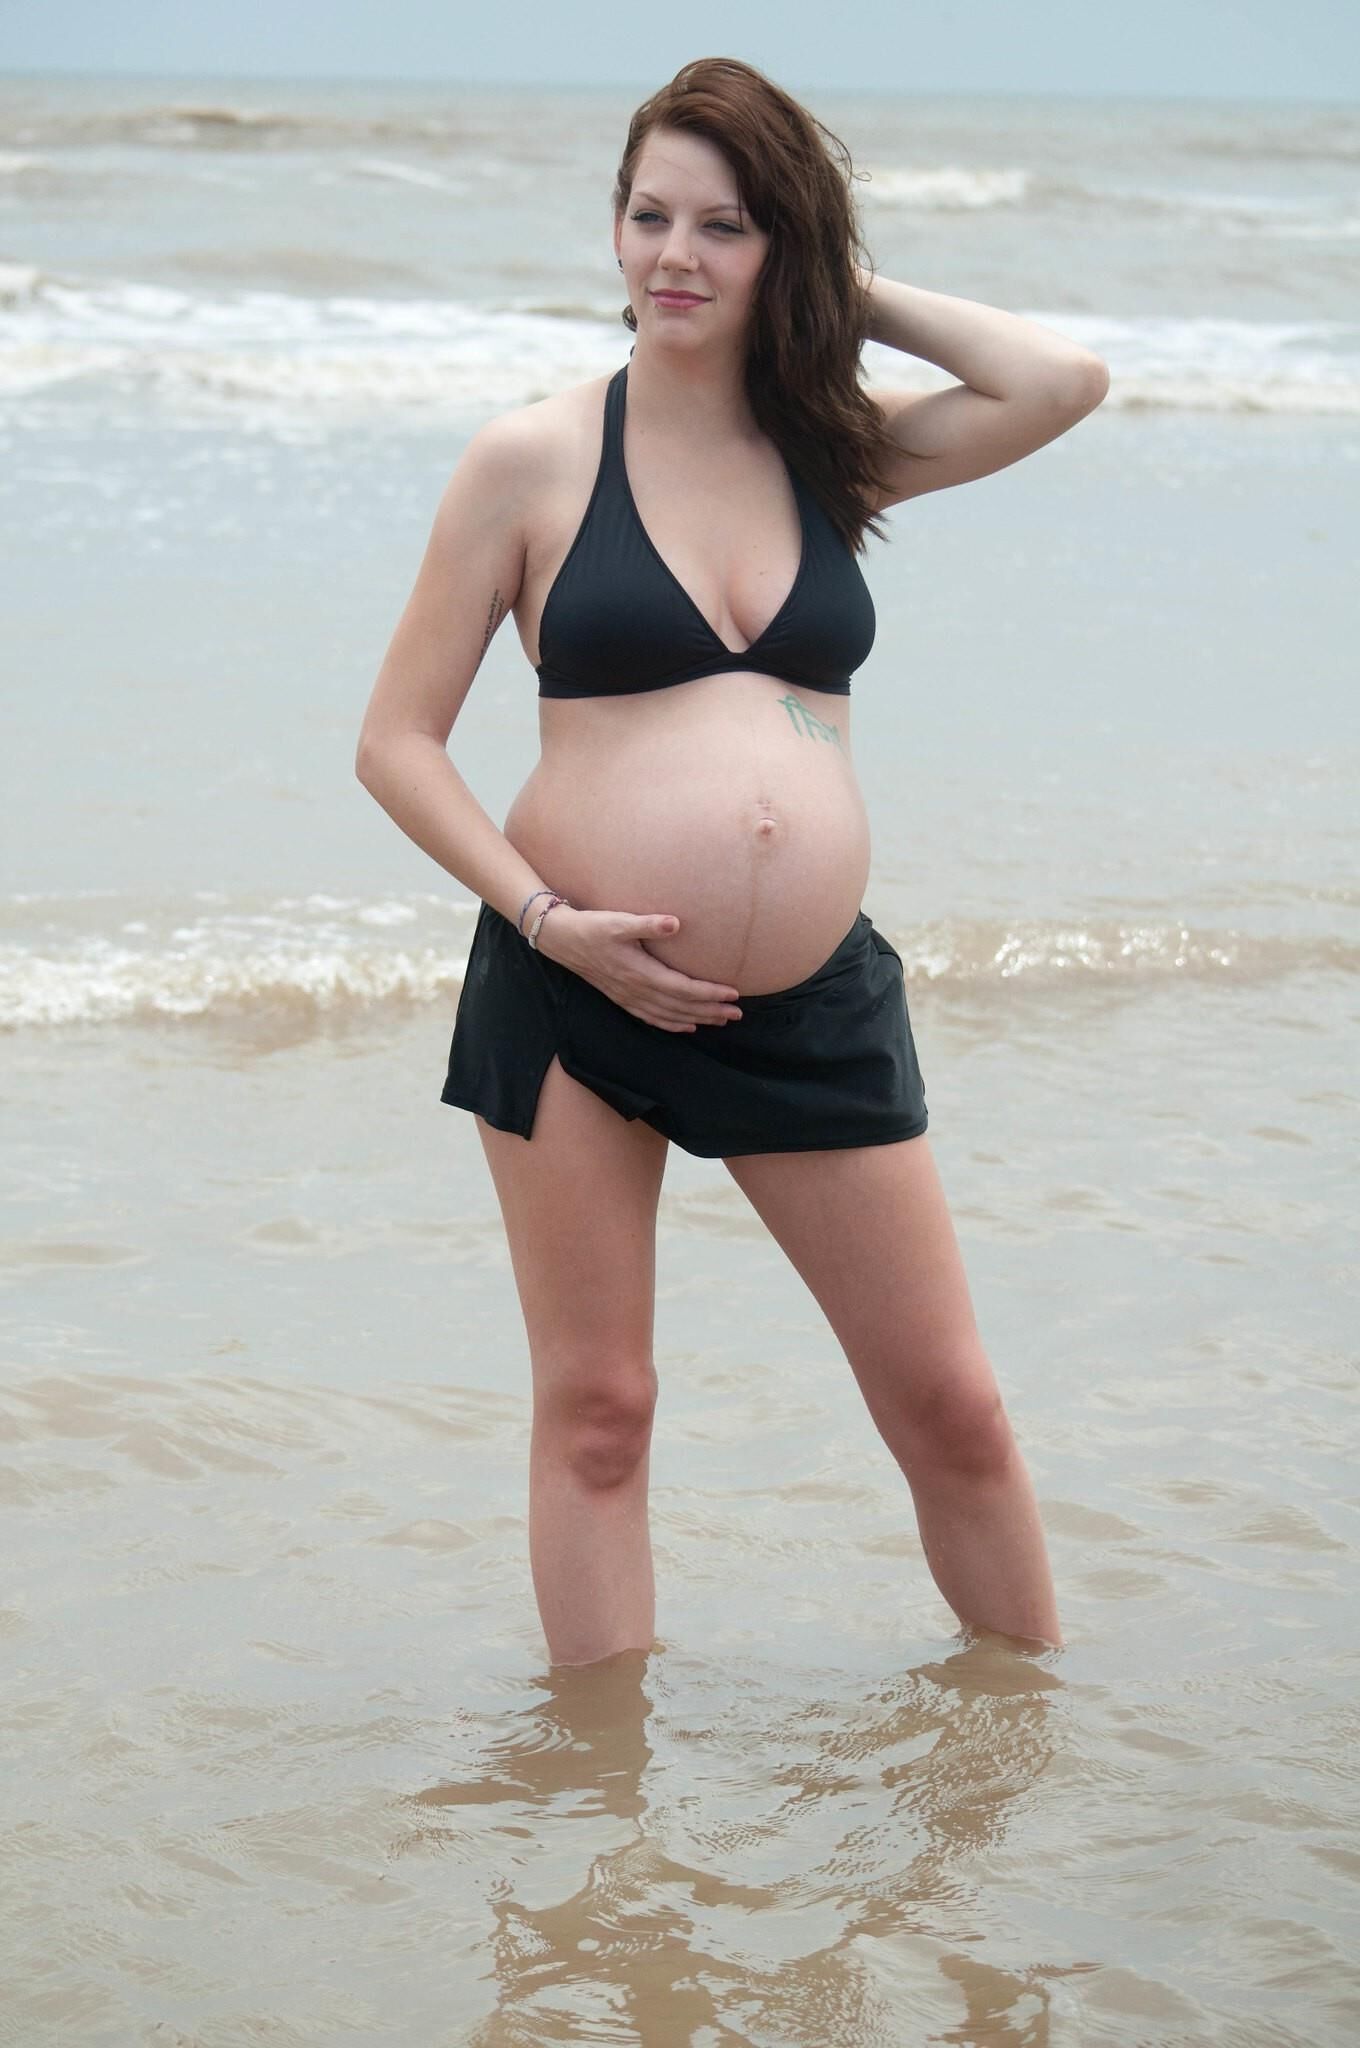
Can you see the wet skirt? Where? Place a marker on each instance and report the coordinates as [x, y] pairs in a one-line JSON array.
[[827, 1063]]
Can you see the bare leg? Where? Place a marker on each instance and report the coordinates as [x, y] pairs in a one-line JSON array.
[[869, 1231], [579, 1201]]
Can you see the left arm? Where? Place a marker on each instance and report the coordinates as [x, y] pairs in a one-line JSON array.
[[1020, 385]]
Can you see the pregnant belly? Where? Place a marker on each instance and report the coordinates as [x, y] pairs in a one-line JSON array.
[[711, 802]]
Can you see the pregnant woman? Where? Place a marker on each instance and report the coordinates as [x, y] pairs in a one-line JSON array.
[[671, 945]]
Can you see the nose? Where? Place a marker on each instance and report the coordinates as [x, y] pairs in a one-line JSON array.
[[677, 253]]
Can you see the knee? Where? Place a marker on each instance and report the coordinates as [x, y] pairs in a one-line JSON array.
[[599, 1419], [958, 1423]]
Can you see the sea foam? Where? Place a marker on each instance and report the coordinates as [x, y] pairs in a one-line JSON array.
[[343, 353]]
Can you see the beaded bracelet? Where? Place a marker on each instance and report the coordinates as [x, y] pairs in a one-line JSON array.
[[519, 921], [532, 935]]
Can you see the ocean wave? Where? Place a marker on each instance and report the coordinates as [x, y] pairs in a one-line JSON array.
[[213, 121], [1329, 138], [1198, 364], [102, 960], [20, 284], [107, 983], [301, 354], [410, 174], [1344, 230], [317, 960], [946, 189], [1240, 215], [336, 351], [218, 125]]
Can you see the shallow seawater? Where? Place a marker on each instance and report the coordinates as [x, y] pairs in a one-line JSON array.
[[277, 1680]]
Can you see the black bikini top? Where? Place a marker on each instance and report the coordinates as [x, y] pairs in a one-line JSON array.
[[616, 620]]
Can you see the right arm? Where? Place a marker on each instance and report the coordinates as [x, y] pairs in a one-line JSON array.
[[467, 582], [469, 579]]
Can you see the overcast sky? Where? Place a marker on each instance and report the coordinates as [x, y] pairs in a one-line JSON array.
[[1274, 49]]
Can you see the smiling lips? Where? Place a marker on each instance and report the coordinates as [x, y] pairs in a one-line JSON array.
[[678, 299]]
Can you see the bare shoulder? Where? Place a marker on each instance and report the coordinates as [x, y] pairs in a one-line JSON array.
[[535, 447], [499, 507]]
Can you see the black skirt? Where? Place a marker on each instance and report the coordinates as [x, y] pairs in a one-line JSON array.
[[825, 1064]]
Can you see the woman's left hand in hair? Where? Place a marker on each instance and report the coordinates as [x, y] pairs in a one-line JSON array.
[[1020, 386]]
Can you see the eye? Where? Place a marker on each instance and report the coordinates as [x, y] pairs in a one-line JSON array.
[[729, 227], [643, 214]]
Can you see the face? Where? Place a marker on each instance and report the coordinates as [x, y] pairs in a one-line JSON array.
[[691, 255]]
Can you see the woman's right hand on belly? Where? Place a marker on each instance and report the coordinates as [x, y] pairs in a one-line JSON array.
[[608, 949]]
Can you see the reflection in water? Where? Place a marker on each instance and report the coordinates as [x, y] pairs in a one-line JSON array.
[[789, 1879]]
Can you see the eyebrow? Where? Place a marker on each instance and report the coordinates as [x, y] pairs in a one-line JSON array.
[[719, 206]]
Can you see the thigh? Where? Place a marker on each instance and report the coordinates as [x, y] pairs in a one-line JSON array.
[[869, 1231], [579, 1201]]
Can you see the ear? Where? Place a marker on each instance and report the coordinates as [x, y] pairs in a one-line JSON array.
[[618, 235]]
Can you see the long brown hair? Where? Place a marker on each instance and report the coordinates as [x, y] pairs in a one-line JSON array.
[[803, 363]]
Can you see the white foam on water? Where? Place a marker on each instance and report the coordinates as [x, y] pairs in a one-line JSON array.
[[946, 188], [320, 957], [313, 355], [300, 352], [19, 282], [409, 174]]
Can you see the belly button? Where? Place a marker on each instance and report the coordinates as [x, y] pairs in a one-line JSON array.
[[766, 828]]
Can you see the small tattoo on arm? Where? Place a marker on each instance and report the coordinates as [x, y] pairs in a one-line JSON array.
[[495, 614], [812, 727]]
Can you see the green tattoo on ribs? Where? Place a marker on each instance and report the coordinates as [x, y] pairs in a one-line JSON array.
[[812, 727]]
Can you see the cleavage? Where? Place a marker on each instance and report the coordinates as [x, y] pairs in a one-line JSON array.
[[759, 599]]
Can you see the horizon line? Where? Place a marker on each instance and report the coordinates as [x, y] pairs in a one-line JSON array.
[[440, 79]]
